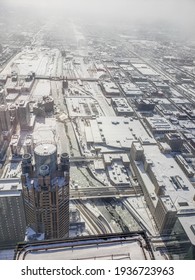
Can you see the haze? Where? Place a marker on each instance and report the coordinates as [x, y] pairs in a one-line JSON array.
[[180, 12]]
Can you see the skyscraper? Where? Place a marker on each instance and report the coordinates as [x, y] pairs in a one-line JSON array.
[[2, 96], [4, 118], [46, 192], [24, 114], [12, 215]]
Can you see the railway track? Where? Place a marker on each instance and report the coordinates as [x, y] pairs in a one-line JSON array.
[[96, 226]]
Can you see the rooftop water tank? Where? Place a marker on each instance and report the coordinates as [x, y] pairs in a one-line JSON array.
[[46, 154]]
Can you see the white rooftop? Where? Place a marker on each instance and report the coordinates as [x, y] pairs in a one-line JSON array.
[[165, 169], [145, 70], [10, 187], [118, 132], [113, 249], [110, 87], [159, 124]]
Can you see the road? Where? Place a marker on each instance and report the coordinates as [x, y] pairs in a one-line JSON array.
[[101, 192]]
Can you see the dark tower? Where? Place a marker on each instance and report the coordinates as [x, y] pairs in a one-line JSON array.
[[27, 167], [46, 195], [64, 162]]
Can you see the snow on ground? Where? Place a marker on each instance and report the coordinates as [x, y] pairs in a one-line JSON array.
[[38, 60], [41, 89]]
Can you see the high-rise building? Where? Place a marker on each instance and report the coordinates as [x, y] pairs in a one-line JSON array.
[[46, 192], [3, 145], [13, 114], [24, 114], [2, 96], [1, 137], [4, 118], [12, 215], [169, 194], [165, 214]]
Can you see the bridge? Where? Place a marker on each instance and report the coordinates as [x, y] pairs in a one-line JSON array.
[[101, 192], [61, 78]]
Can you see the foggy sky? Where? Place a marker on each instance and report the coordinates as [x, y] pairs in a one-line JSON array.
[[180, 12]]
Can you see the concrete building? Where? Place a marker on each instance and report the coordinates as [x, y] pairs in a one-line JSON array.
[[175, 141], [110, 89], [43, 106], [13, 114], [131, 246], [165, 214], [159, 125], [24, 114], [16, 84], [46, 194], [168, 192], [116, 133], [145, 70], [121, 107], [4, 118], [184, 232], [1, 136], [4, 143], [131, 90], [117, 168], [184, 166], [15, 144], [144, 104], [12, 215], [160, 85], [48, 103], [2, 96], [28, 144]]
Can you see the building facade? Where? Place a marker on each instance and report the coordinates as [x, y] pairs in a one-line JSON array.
[[2, 96], [46, 195], [4, 118], [12, 214], [24, 114], [170, 197]]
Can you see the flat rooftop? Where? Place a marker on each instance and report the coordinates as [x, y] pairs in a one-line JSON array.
[[110, 88], [83, 106], [189, 226], [159, 124], [170, 175], [131, 89], [180, 101], [10, 187], [118, 132], [145, 70], [106, 247]]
